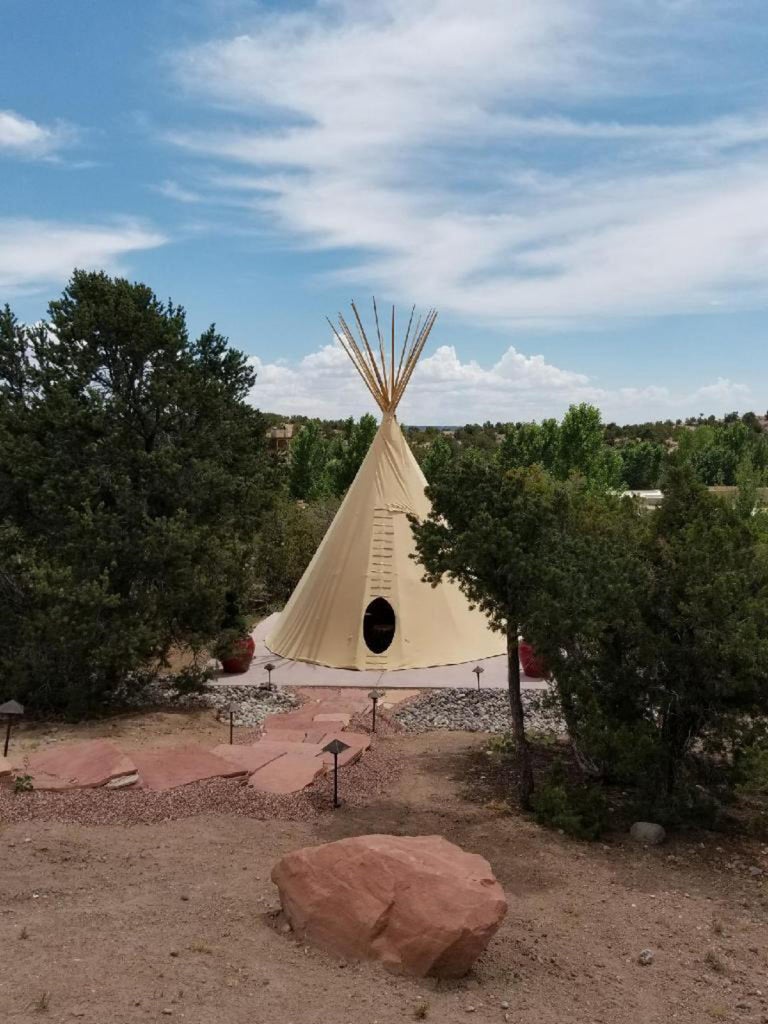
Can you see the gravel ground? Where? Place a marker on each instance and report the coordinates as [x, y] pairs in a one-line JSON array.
[[469, 710], [252, 703], [358, 784]]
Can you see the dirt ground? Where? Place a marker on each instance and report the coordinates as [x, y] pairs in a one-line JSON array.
[[132, 730], [171, 920]]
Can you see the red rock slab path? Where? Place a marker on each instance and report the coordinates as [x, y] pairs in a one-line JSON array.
[[304, 749], [250, 756], [166, 769], [356, 741], [287, 774], [333, 718], [83, 765]]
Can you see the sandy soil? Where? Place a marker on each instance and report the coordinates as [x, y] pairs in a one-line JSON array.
[[172, 920], [133, 730], [166, 727]]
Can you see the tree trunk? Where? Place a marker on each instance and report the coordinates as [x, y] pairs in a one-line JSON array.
[[518, 721]]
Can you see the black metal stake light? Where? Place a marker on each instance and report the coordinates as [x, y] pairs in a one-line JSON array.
[[231, 723], [375, 696], [269, 668], [478, 670], [335, 747], [12, 711]]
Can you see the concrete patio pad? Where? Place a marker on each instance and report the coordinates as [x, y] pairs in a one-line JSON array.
[[83, 765], [287, 774], [299, 673], [160, 770]]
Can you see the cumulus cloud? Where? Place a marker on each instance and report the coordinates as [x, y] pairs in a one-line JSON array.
[[446, 390], [453, 150], [22, 137], [36, 254]]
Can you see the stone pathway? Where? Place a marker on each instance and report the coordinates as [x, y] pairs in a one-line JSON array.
[[288, 757]]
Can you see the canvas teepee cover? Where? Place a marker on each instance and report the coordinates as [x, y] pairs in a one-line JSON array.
[[361, 603]]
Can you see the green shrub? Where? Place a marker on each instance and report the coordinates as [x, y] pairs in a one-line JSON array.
[[579, 809], [191, 680]]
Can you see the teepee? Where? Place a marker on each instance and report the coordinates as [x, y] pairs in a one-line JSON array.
[[361, 603]]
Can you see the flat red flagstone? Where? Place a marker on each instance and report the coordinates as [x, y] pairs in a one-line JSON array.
[[287, 774], [83, 765], [301, 719], [356, 741], [332, 718], [286, 735], [299, 747], [249, 757], [166, 769]]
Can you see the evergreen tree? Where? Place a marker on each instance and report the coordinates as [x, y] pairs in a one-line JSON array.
[[133, 477]]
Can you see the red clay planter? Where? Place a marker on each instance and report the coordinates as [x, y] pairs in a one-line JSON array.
[[533, 666], [240, 657]]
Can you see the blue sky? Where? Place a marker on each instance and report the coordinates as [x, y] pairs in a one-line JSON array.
[[580, 187]]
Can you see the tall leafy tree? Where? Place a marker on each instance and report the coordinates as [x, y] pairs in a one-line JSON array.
[[489, 531], [438, 458], [347, 453], [641, 464], [582, 448], [134, 477], [308, 458]]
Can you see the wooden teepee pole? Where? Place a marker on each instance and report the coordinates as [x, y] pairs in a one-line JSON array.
[[385, 383]]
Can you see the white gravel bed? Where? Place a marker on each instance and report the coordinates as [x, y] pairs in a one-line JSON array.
[[251, 703], [470, 710]]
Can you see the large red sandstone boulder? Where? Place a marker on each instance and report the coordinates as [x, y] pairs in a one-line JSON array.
[[419, 904]]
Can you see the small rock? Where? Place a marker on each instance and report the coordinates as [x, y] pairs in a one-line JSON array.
[[648, 832], [174, 952], [504, 1005], [646, 957], [285, 928], [168, 1011], [123, 781], [470, 1009], [755, 872]]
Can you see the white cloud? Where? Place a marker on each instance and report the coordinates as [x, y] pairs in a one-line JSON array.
[[173, 190], [446, 390], [418, 136], [20, 136], [36, 254]]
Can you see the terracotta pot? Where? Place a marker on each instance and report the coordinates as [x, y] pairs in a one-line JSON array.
[[533, 666], [240, 656]]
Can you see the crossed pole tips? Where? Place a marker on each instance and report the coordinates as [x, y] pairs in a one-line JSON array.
[[385, 383]]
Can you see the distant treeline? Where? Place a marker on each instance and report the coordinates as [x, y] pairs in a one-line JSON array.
[[726, 451]]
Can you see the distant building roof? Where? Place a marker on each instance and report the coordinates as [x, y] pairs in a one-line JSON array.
[[282, 433]]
